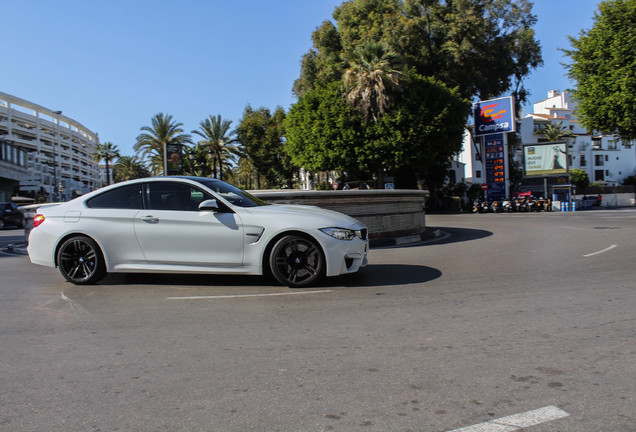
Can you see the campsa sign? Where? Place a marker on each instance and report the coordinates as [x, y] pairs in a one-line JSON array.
[[494, 116]]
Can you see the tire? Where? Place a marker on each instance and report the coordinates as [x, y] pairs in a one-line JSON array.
[[81, 261], [297, 261]]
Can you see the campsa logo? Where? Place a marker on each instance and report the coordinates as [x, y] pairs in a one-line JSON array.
[[492, 119], [489, 115]]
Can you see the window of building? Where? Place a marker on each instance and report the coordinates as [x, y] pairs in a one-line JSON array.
[[583, 161], [599, 175], [612, 144], [596, 143], [478, 173], [606, 158], [452, 177], [598, 160]]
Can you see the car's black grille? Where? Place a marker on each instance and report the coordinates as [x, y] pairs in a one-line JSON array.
[[363, 233]]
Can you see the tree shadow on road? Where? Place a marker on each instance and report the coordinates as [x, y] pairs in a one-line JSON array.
[[458, 235]]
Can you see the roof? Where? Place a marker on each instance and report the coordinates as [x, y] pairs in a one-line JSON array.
[[548, 117]]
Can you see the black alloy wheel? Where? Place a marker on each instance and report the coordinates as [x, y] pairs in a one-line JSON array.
[[80, 261], [297, 261]]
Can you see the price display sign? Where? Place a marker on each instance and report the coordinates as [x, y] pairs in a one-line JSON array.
[[496, 166]]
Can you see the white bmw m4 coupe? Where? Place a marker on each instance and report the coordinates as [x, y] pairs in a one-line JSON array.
[[194, 225]]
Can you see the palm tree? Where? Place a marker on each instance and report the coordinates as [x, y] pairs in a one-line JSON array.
[[153, 142], [245, 172], [370, 80], [555, 131], [217, 139], [107, 152], [197, 160], [128, 168]]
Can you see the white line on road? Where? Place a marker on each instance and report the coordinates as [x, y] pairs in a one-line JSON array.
[[601, 251], [518, 421], [247, 295]]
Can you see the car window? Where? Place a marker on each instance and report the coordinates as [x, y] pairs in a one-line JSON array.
[[124, 197], [174, 196], [234, 195]]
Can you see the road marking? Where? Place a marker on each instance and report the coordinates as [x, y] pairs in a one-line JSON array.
[[247, 295], [601, 251], [518, 421]]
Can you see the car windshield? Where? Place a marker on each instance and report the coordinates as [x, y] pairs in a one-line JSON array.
[[234, 195]]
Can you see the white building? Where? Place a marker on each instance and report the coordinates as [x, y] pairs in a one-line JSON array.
[[607, 159], [43, 150]]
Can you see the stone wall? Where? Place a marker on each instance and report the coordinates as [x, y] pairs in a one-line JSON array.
[[387, 213]]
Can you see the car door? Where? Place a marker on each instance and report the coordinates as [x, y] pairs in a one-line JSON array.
[[109, 219], [171, 229]]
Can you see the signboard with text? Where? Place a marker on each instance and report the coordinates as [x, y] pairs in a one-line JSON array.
[[175, 159], [494, 116], [545, 159]]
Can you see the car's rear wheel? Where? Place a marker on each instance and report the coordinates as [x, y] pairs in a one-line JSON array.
[[81, 261], [297, 261]]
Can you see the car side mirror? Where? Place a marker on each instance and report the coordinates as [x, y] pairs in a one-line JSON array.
[[209, 205]]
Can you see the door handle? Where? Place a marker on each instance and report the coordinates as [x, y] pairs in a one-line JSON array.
[[149, 219]]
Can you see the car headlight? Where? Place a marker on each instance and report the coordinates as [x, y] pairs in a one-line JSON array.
[[339, 233]]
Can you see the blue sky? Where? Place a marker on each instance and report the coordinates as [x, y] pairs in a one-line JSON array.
[[112, 65]]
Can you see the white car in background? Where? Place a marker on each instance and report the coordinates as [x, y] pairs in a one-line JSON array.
[[194, 225]]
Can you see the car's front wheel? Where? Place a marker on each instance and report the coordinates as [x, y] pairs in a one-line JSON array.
[[296, 261], [80, 261]]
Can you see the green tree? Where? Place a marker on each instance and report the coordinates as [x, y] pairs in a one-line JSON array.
[[217, 138], [154, 139], [579, 178], [107, 152], [262, 135], [128, 168], [604, 69], [483, 48], [449, 52], [422, 131], [556, 131], [198, 160]]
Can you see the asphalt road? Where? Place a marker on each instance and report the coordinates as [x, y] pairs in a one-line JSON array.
[[530, 314]]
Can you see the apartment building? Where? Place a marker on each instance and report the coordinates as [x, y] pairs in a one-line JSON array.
[[607, 159], [44, 151]]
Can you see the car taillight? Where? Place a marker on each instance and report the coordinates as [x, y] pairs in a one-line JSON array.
[[37, 220]]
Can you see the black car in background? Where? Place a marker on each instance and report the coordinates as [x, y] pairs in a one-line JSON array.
[[10, 215]]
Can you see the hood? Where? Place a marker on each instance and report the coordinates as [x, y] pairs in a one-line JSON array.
[[321, 217]]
